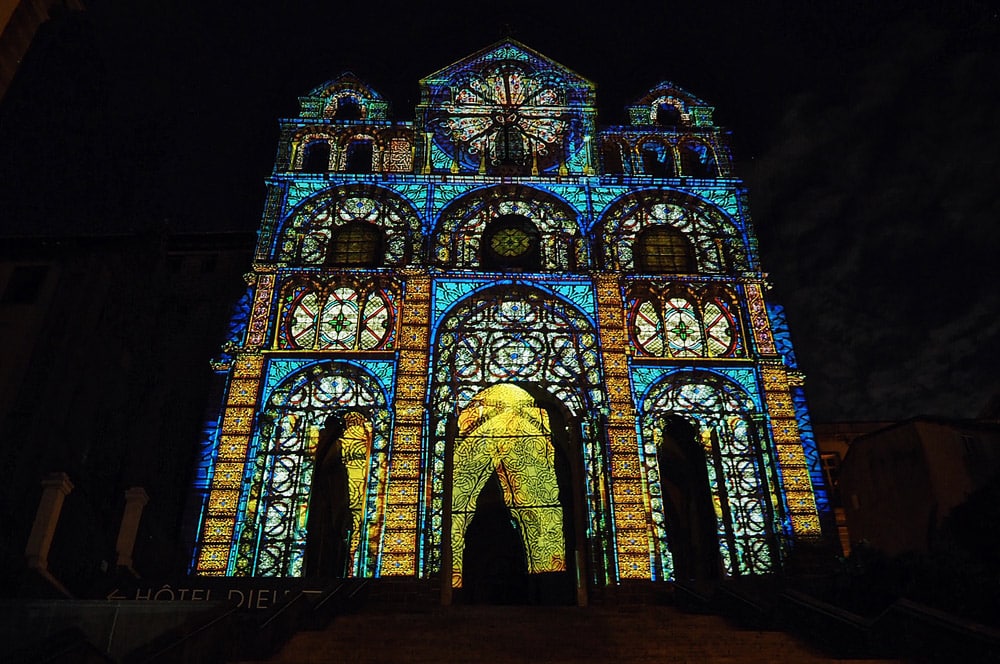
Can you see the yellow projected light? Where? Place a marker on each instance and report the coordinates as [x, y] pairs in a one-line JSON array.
[[503, 430]]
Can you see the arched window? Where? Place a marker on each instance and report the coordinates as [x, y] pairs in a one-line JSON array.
[[531, 230], [667, 115], [713, 238], [491, 346], [310, 230], [511, 242], [316, 157], [356, 244], [348, 108], [360, 154], [664, 250], [688, 411], [291, 428], [720, 329], [657, 159], [682, 328], [697, 160]]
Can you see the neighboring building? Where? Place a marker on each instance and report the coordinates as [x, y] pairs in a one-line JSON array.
[[834, 440], [503, 346], [899, 483], [103, 347]]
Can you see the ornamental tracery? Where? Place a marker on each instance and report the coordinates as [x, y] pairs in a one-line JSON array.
[[740, 469], [660, 153], [504, 432], [673, 321], [507, 119], [520, 336], [391, 149], [462, 225], [307, 231], [717, 243], [274, 538], [515, 352], [342, 314]]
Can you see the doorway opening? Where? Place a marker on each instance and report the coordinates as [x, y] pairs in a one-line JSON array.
[[687, 502], [512, 509], [342, 457]]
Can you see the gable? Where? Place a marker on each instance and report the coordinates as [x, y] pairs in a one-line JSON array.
[[510, 52]]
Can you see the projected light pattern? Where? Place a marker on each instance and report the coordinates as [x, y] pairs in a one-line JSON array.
[[739, 470], [337, 315], [502, 431], [500, 305], [272, 541], [679, 322]]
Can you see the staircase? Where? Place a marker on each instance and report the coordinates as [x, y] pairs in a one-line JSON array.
[[509, 634]]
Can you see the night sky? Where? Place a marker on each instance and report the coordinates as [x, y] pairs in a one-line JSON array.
[[867, 133]]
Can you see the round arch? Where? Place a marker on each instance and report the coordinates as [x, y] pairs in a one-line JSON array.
[[692, 417], [455, 242], [305, 233], [293, 428], [717, 242], [682, 320], [544, 347]]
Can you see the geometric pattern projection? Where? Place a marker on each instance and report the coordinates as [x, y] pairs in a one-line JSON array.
[[739, 470], [502, 431], [504, 346], [682, 322]]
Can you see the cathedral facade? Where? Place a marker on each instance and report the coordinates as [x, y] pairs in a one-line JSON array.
[[501, 343]]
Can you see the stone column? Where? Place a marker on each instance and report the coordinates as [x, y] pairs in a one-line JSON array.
[[55, 487], [135, 499]]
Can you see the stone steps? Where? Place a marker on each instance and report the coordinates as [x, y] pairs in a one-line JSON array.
[[517, 634]]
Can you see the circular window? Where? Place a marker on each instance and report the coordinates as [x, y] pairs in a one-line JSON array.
[[510, 242]]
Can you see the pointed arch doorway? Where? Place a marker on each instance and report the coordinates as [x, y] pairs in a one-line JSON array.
[[512, 535]]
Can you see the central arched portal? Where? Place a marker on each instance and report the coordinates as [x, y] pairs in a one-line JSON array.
[[511, 501], [516, 457]]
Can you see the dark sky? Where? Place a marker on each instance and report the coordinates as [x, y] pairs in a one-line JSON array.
[[866, 130]]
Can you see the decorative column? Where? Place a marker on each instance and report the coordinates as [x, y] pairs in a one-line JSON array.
[[795, 481], [219, 520], [55, 488], [234, 440], [136, 498], [428, 138], [630, 503], [399, 548]]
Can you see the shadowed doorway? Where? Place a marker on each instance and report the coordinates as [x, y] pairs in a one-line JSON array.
[[687, 502], [494, 566], [511, 503], [343, 449]]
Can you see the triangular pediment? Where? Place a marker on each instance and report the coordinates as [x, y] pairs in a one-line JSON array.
[[506, 50], [507, 110]]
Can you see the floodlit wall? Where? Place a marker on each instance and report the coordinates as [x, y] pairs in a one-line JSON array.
[[533, 315]]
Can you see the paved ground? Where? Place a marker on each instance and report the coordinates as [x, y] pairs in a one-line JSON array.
[[509, 635]]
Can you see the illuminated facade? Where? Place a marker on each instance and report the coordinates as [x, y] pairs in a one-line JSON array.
[[502, 342]]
